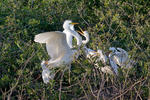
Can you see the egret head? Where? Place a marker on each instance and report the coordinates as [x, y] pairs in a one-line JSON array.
[[85, 34], [69, 24]]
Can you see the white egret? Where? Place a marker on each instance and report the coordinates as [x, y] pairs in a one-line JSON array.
[[88, 52], [101, 56], [92, 53], [120, 56], [57, 47]]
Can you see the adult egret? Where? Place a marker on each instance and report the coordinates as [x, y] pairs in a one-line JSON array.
[[70, 32], [57, 48]]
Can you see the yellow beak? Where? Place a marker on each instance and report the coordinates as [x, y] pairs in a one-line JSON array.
[[74, 23], [81, 31]]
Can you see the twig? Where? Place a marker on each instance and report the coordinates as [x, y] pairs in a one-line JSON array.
[[125, 91], [61, 85], [138, 95], [83, 89], [12, 88]]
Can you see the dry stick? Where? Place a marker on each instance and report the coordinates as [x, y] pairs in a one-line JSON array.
[[43, 96], [91, 89], [25, 64], [101, 86], [61, 85], [3, 94], [83, 89], [138, 95], [126, 78], [127, 89], [20, 94], [71, 86]]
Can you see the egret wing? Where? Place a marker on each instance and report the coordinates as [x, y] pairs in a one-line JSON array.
[[56, 43]]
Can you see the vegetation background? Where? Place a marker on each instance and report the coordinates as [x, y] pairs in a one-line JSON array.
[[118, 23]]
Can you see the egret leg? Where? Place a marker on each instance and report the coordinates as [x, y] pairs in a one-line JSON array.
[[69, 72]]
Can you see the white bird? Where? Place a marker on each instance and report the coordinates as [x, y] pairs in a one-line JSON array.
[[70, 32], [57, 46], [120, 56], [113, 63], [101, 56], [46, 73], [88, 52], [92, 53], [58, 49], [107, 69]]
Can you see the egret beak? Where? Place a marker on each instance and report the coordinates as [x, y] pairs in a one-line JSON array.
[[74, 23], [81, 31]]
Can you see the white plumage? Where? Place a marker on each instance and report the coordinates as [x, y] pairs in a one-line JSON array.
[[70, 33], [120, 56], [113, 64], [92, 53], [101, 56], [46, 73], [58, 49]]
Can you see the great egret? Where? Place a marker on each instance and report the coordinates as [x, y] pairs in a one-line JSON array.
[[92, 53], [70, 32], [58, 49], [88, 52], [102, 57]]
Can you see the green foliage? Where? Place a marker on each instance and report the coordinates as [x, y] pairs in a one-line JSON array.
[[124, 24]]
